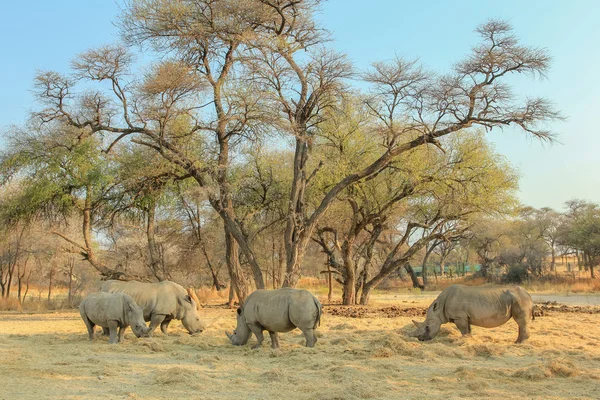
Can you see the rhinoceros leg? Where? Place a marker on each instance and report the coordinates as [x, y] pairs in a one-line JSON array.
[[522, 318], [155, 321], [311, 338], [463, 326], [274, 340], [258, 332], [112, 327], [164, 325], [122, 330], [90, 327], [523, 332]]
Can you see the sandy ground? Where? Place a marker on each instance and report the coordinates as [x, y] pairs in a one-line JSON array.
[[370, 357]]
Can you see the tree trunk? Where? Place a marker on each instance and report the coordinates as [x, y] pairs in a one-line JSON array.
[[156, 265], [294, 229], [281, 259], [349, 275], [348, 290], [329, 283], [26, 287], [50, 276], [230, 303], [11, 271], [213, 273], [485, 265], [360, 282], [273, 263], [553, 259], [424, 266], [238, 279], [443, 263], [413, 277], [19, 288], [71, 266], [378, 229]]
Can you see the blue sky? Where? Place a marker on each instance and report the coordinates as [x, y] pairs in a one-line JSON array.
[[44, 35]]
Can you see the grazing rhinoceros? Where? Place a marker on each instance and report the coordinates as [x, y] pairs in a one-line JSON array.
[[112, 311], [275, 311], [486, 306], [161, 302]]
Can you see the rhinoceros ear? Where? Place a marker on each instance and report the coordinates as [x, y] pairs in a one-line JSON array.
[[239, 310], [435, 306], [188, 299], [417, 324]]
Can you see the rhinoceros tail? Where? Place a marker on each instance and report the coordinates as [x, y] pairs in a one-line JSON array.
[[533, 313], [319, 312]]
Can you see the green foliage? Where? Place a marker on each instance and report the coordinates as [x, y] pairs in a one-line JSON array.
[[581, 230], [54, 170], [516, 273]]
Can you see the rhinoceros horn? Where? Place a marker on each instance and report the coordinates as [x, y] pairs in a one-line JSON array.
[[228, 335], [417, 324]]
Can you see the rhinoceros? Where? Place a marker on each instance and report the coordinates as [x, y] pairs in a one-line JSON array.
[[485, 306], [162, 302], [111, 311], [280, 310]]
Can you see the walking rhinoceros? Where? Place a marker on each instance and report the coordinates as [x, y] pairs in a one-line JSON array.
[[486, 306], [111, 311], [162, 302], [280, 310]]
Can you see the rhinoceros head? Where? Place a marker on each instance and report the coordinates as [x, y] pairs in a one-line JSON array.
[[134, 316], [191, 320], [429, 328], [242, 332]]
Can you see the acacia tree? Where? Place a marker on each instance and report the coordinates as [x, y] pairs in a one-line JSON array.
[[581, 231], [413, 108], [61, 172], [471, 181], [549, 222], [426, 197]]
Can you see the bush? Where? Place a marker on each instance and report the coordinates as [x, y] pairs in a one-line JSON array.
[[517, 273]]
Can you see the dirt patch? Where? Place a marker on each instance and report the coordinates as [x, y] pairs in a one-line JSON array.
[[551, 307], [375, 312]]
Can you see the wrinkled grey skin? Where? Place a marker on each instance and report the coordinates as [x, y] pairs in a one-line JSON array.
[[485, 306], [162, 302], [111, 311], [274, 311]]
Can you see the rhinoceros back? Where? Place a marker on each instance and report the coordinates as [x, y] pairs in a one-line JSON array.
[[153, 298], [102, 307], [282, 306]]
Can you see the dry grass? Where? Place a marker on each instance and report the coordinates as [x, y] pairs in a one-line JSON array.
[[48, 356], [10, 304], [210, 294], [564, 286]]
